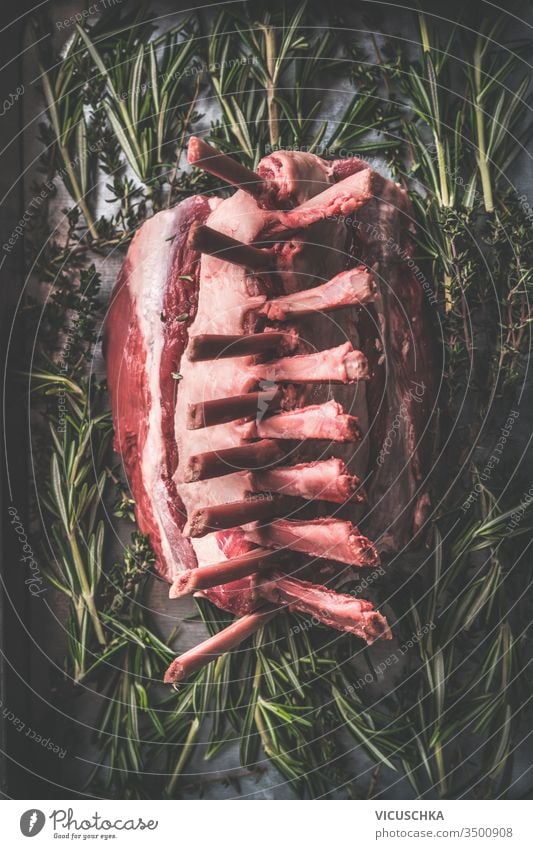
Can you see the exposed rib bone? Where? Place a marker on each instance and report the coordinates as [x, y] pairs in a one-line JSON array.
[[214, 162], [208, 241], [333, 539], [223, 573], [336, 610], [349, 288], [319, 421], [327, 480], [220, 643], [337, 365], [218, 517], [210, 346], [221, 410], [336, 202], [226, 461]]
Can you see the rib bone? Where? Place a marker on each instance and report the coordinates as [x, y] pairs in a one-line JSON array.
[[224, 572], [218, 517], [214, 162], [210, 346], [327, 480], [226, 461], [318, 421], [336, 202], [333, 539], [208, 241], [221, 410], [338, 365], [354, 287], [220, 643], [336, 610]]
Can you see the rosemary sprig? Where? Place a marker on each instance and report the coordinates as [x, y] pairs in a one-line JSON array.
[[70, 155], [269, 81], [498, 102], [79, 430], [145, 97]]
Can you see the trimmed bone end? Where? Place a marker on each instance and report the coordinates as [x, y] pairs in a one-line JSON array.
[[356, 365], [183, 585], [363, 186], [336, 610], [376, 627], [192, 472], [342, 168], [196, 526], [175, 672], [353, 431], [369, 289], [366, 550], [194, 150], [195, 418]]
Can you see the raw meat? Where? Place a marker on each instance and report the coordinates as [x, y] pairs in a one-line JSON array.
[[259, 349]]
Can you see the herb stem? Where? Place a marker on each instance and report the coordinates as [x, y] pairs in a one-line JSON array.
[[440, 769], [481, 157], [443, 179], [270, 56], [426, 46], [65, 156], [182, 760], [265, 739], [78, 196], [87, 595]]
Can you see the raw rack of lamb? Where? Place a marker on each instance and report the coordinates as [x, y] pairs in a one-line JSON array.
[[270, 372]]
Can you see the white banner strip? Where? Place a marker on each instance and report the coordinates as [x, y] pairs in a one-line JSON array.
[[313, 825]]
